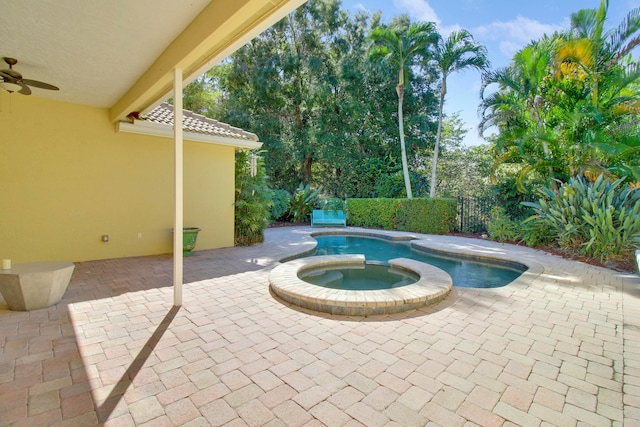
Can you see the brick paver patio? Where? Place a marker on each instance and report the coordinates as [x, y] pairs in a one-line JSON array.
[[562, 350]]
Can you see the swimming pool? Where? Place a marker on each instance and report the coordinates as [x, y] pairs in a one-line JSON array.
[[354, 248], [465, 272]]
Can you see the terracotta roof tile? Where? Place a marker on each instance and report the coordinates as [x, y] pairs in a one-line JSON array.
[[193, 122]]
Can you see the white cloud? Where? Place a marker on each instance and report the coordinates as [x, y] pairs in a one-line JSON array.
[[361, 7], [419, 10], [515, 34], [445, 31]]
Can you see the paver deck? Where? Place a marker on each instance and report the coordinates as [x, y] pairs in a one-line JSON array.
[[563, 349]]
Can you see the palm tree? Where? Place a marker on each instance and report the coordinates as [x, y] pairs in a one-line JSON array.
[[597, 52], [457, 52], [519, 108], [568, 104], [400, 47], [600, 59]]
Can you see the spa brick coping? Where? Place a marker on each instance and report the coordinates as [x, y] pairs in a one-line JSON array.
[[434, 284]]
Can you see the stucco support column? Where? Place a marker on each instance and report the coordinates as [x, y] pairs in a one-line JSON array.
[[178, 221]]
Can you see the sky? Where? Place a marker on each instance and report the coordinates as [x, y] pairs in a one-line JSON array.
[[503, 26]]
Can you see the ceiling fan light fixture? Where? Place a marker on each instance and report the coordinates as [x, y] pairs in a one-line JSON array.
[[12, 81], [10, 87]]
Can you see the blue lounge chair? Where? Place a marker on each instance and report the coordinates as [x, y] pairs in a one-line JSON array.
[[321, 217]]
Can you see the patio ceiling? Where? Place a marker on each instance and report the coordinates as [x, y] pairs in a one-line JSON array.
[[119, 54]]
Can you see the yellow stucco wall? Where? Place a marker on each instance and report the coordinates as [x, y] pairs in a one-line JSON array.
[[67, 178]]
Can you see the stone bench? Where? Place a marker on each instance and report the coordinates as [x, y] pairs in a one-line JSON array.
[[35, 285]]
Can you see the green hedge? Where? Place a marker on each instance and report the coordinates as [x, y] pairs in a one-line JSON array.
[[374, 213], [429, 216]]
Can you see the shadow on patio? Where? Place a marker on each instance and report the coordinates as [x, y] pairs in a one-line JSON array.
[[116, 351]]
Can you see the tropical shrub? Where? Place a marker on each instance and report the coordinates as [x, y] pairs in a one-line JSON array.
[[434, 216], [373, 213], [280, 204], [393, 186], [389, 186], [535, 233], [566, 103], [599, 219], [501, 227], [333, 204], [508, 196], [304, 200], [429, 216], [252, 201]]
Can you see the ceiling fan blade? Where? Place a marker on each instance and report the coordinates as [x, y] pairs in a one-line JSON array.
[[38, 84], [5, 74], [25, 89]]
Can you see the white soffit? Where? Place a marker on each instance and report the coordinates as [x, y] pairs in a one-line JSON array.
[[93, 50]]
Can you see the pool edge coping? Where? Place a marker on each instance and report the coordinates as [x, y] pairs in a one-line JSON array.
[[433, 286], [423, 242]]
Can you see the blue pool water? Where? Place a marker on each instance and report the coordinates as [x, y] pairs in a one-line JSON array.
[[464, 272]]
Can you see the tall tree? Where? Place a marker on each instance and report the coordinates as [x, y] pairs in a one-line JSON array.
[[326, 117], [568, 104], [400, 48], [456, 53], [599, 60], [518, 109]]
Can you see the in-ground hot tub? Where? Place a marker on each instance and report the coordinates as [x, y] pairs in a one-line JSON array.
[[430, 286], [358, 277]]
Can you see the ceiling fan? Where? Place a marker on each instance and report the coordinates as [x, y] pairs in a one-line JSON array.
[[12, 80]]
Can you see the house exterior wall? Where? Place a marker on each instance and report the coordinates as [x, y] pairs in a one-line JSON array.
[[67, 178]]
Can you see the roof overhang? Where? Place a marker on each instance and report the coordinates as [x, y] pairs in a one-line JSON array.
[[220, 29], [143, 127], [120, 54]]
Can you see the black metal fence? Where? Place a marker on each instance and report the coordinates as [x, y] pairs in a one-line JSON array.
[[473, 213]]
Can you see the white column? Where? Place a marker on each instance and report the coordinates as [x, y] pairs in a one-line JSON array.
[[178, 221]]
